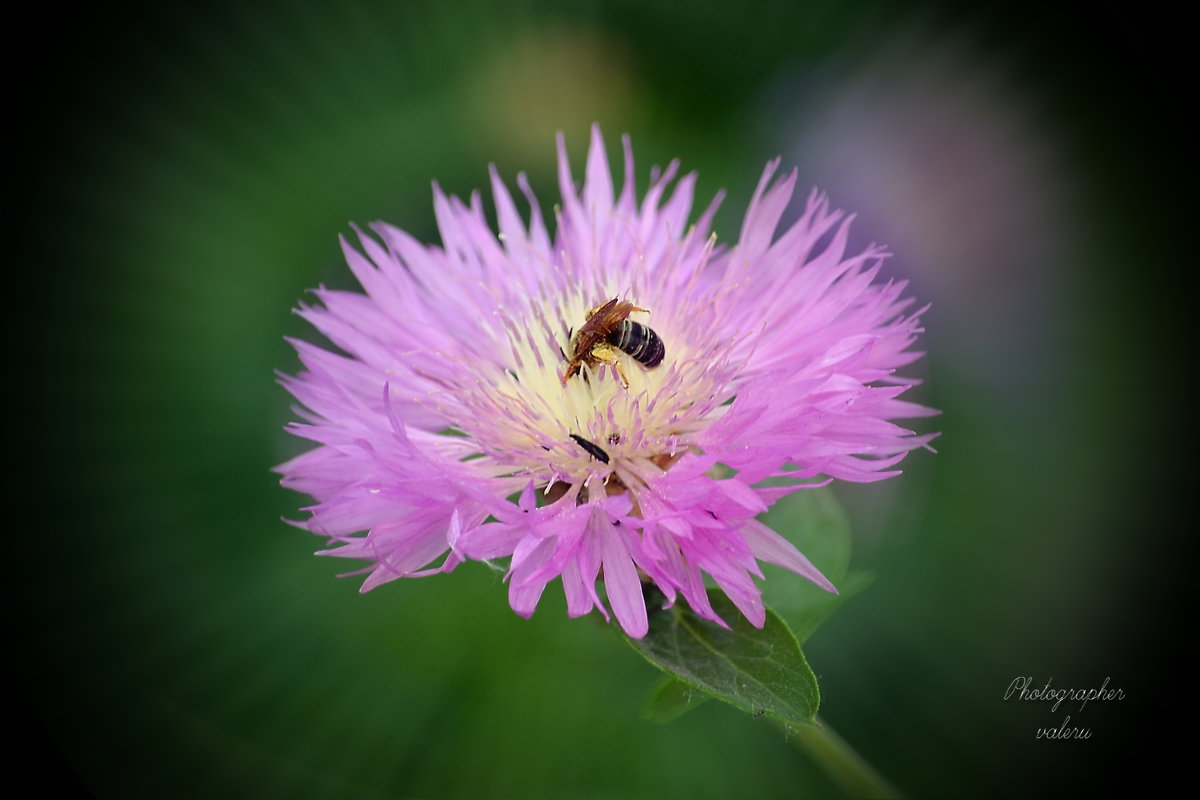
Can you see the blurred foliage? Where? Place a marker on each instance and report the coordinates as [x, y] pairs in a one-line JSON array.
[[181, 174]]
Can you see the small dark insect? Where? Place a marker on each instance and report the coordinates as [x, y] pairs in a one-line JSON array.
[[758, 713], [594, 450], [608, 331]]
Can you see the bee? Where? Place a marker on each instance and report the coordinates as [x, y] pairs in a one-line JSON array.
[[607, 331]]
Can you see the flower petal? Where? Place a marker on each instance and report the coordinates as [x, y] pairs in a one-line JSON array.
[[621, 582]]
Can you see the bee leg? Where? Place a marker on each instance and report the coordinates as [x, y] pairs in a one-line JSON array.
[[621, 373], [607, 354]]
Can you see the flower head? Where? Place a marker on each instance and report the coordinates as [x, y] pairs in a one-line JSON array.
[[493, 401]]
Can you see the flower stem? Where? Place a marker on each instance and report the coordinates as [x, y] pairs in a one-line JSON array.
[[838, 760]]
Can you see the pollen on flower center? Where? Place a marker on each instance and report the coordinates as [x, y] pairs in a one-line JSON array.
[[610, 421]]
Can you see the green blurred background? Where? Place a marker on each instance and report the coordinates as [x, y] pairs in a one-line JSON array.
[[179, 178]]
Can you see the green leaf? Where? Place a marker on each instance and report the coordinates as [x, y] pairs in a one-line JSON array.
[[810, 606], [670, 699], [756, 670], [814, 521]]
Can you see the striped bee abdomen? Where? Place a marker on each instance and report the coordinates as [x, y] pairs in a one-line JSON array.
[[640, 342]]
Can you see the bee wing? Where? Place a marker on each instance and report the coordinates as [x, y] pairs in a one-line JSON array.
[[612, 314]]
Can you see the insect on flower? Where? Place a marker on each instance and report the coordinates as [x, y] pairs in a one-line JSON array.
[[607, 331], [594, 450], [449, 430]]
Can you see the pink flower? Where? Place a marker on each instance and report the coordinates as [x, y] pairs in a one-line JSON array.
[[448, 431]]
